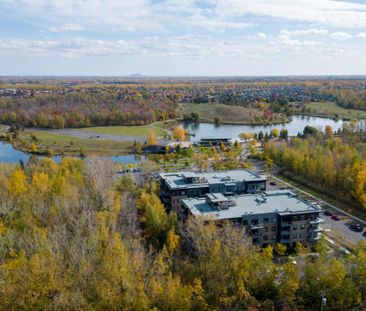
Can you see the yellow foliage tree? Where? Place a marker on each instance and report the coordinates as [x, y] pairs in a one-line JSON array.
[[179, 133], [151, 138], [17, 184]]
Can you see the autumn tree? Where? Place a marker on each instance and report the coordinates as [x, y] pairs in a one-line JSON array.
[[151, 138]]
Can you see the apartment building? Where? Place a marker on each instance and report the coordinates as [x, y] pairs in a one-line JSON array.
[[268, 217], [180, 185]]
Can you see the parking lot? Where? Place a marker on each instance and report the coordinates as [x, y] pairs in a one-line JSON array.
[[336, 229]]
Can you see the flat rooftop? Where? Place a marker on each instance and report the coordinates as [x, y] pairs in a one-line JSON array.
[[177, 180], [282, 202]]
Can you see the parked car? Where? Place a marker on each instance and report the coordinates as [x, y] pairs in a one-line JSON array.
[[327, 213], [336, 217], [364, 234], [272, 183], [356, 227]]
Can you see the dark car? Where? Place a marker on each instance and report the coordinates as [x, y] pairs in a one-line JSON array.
[[336, 217], [272, 183], [327, 213], [356, 227], [364, 234]]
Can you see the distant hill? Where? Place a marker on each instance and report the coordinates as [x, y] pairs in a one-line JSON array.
[[136, 75]]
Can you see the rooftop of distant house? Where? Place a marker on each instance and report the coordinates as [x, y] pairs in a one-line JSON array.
[[282, 202], [181, 180]]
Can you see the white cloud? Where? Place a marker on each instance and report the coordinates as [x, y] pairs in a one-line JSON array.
[[324, 12], [148, 15], [341, 35], [361, 35], [286, 40], [311, 31], [191, 46], [262, 35], [67, 28]]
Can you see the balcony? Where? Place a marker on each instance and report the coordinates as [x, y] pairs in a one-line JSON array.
[[256, 227], [316, 221]]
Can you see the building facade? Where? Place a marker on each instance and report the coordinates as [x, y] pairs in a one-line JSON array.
[[268, 218], [181, 185]]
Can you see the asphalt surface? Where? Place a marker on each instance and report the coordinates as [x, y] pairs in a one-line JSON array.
[[332, 227]]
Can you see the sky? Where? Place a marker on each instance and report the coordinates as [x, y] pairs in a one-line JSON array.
[[183, 37]]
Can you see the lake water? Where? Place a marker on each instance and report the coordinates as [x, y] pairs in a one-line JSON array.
[[296, 125], [10, 155]]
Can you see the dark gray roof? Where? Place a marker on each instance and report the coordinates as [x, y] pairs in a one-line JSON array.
[[271, 202], [177, 180]]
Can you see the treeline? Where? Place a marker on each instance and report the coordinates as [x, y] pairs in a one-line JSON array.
[[87, 108], [82, 103], [332, 164], [73, 238], [351, 99]]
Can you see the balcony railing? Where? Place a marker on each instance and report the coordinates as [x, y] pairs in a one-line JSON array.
[[316, 221]]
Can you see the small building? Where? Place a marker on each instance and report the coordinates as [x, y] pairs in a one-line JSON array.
[[181, 185], [214, 142], [268, 218]]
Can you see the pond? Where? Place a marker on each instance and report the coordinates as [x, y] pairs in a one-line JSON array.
[[296, 125], [8, 154]]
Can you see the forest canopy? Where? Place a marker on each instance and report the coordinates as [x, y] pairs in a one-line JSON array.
[[74, 238]]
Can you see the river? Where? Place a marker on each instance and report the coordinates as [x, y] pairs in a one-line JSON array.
[[10, 155]]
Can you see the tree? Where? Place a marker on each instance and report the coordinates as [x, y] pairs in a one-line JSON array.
[[151, 138], [246, 136], [310, 131], [328, 131], [179, 133], [195, 116], [284, 134], [275, 133], [217, 121]]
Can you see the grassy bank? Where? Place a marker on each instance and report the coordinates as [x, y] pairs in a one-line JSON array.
[[228, 114], [131, 131], [62, 144], [331, 110]]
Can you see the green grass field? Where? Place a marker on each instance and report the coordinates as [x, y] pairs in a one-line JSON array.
[[71, 145], [228, 114], [328, 109], [131, 131]]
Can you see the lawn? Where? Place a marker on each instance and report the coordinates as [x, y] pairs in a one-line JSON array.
[[71, 145], [228, 114], [131, 131], [328, 109]]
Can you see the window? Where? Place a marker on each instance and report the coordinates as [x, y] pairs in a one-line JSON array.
[[266, 229], [254, 222], [274, 220], [302, 217], [274, 229], [294, 235], [294, 218], [265, 238], [294, 227], [245, 222], [302, 227], [266, 220], [301, 235], [273, 237]]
